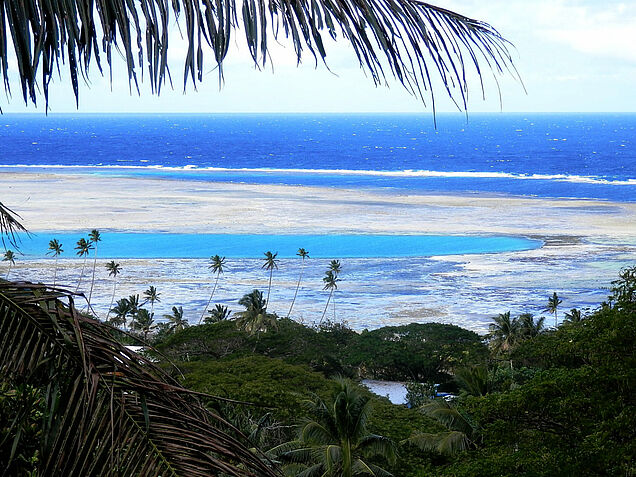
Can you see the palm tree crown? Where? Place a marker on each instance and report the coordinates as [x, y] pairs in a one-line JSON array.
[[553, 304], [255, 319], [9, 256], [113, 269], [217, 265], [505, 332], [83, 247], [176, 319], [335, 440], [55, 249], [270, 264]]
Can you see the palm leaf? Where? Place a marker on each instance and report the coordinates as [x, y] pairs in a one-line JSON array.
[[447, 443], [9, 224], [417, 43], [111, 411]]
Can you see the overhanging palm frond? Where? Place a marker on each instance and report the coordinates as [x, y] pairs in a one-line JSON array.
[[111, 411], [410, 40], [447, 443], [9, 224]]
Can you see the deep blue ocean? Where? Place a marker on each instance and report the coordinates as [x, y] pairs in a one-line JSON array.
[[543, 155]]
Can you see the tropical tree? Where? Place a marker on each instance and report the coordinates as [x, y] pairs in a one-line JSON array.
[[528, 327], [151, 295], [217, 264], [55, 249], [573, 316], [121, 311], [255, 319], [553, 304], [334, 440], [83, 247], [331, 283], [94, 238], [144, 322], [113, 269], [505, 333], [108, 411], [176, 319], [218, 313], [135, 304], [461, 433], [302, 253], [270, 264], [9, 257]]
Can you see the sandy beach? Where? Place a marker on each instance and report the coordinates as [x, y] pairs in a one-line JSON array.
[[586, 243]]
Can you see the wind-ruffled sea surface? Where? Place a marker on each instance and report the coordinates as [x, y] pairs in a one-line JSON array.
[[582, 156]]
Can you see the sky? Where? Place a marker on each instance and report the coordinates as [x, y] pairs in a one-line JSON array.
[[573, 56]]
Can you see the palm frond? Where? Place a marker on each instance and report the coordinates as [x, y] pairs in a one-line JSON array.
[[9, 223], [417, 43], [447, 415], [447, 443], [360, 467], [112, 412], [374, 445]]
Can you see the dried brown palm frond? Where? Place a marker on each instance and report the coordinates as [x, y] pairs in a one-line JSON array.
[[110, 411], [9, 226], [410, 40]]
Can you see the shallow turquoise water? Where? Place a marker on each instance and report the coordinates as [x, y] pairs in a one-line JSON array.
[[168, 245]]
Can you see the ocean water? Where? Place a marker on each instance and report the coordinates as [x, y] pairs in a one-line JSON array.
[[542, 155], [170, 245]]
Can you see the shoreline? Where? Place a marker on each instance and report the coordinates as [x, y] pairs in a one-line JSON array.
[[586, 243]]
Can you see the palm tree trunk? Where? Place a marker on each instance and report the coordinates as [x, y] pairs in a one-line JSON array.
[[81, 275], [55, 271], [326, 306], [112, 300], [210, 300], [346, 459], [93, 280], [297, 287], [8, 271], [269, 288], [555, 319]]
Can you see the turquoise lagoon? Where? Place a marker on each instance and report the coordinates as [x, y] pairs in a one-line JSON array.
[[171, 245]]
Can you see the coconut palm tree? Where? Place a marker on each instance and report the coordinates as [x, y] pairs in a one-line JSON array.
[[55, 249], [151, 295], [505, 333], [573, 316], [135, 304], [553, 305], [218, 313], [9, 257], [528, 327], [302, 253], [270, 264], [462, 433], [121, 311], [176, 319], [94, 237], [255, 319], [217, 264], [331, 284], [83, 247], [113, 269], [144, 322], [334, 440]]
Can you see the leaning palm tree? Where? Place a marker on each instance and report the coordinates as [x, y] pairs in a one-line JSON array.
[[334, 440], [109, 411], [113, 269], [331, 283], [270, 264], [553, 305], [302, 253], [55, 249], [217, 264], [94, 237], [9, 257], [151, 295], [176, 319], [83, 247], [9, 221]]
